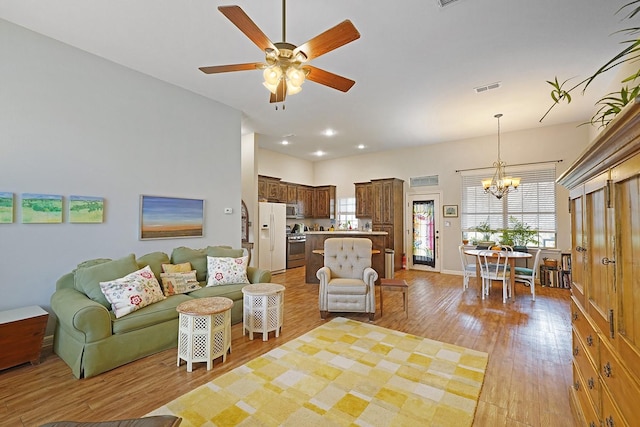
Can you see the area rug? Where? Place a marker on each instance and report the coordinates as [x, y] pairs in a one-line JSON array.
[[343, 373]]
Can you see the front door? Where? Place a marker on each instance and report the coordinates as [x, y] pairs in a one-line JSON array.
[[424, 228]]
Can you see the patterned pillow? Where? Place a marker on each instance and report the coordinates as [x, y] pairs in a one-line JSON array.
[[179, 283], [184, 267], [132, 292], [226, 271]]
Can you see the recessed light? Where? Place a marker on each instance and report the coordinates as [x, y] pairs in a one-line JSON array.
[[319, 153], [329, 132], [361, 147], [284, 142]]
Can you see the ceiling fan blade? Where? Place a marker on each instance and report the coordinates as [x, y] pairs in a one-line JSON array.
[[234, 67], [281, 92], [247, 26], [343, 33], [326, 78]]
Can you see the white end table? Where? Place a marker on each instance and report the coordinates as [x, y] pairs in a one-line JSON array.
[[204, 330], [263, 309]]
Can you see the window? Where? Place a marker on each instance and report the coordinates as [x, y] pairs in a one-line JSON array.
[[533, 203], [347, 214]]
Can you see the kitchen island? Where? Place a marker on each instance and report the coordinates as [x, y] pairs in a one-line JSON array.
[[315, 241]]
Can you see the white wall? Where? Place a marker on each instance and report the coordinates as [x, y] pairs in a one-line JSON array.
[[287, 168], [564, 142], [74, 124]]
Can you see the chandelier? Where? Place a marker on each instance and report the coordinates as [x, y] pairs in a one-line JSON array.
[[500, 184]]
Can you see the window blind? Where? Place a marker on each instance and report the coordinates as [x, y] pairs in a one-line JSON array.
[[534, 202]]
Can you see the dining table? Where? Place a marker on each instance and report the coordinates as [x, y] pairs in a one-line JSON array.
[[512, 257]]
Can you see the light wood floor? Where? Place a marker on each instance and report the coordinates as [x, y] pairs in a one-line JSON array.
[[526, 383]]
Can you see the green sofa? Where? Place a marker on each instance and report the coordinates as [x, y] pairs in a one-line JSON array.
[[91, 340]]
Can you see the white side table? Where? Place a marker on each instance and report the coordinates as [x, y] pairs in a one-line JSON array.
[[204, 330], [263, 309]]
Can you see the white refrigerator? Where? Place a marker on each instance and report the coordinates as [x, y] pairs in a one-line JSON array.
[[272, 243]]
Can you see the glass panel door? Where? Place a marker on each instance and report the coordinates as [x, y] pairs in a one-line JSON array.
[[423, 249]]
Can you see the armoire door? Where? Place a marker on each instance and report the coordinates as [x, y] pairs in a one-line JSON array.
[[600, 293]]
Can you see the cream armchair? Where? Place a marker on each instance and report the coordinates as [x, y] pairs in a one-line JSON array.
[[347, 280]]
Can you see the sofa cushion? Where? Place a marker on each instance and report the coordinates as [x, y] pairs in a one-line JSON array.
[[132, 292], [233, 292], [160, 312], [179, 283], [197, 258], [226, 271], [224, 251], [153, 260], [87, 279], [185, 267]]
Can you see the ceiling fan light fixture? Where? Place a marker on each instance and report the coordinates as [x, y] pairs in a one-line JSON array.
[[272, 75], [292, 90], [295, 76]]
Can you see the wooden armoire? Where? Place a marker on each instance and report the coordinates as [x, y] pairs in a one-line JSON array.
[[604, 185]]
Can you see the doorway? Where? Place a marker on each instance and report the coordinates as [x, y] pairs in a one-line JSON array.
[[423, 232]]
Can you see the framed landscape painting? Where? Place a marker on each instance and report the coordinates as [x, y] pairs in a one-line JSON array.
[[86, 209], [6, 207], [41, 208], [170, 217]]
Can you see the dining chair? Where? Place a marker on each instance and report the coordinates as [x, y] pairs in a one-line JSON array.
[[468, 269], [493, 266], [528, 275]]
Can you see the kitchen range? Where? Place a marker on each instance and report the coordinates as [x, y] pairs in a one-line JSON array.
[[296, 241]]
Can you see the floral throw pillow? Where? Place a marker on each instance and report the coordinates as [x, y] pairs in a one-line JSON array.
[[132, 292], [179, 283], [226, 271]]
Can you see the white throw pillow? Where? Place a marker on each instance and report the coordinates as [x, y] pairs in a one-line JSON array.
[[132, 292], [226, 271], [179, 283]]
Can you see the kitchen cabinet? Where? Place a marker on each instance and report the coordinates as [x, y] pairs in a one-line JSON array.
[[292, 193], [305, 201], [364, 196], [604, 188], [325, 202], [272, 189], [388, 214]]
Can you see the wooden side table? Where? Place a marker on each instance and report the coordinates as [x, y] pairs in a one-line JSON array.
[[263, 309], [204, 330], [395, 285], [21, 334]]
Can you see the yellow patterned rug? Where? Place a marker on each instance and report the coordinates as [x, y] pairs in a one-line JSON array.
[[343, 373]]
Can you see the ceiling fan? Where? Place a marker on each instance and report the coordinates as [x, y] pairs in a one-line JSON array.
[[286, 66]]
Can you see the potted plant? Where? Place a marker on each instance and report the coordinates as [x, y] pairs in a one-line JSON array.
[[486, 231], [611, 104], [518, 235]]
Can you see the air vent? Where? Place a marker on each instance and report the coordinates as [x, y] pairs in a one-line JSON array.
[[443, 3], [485, 88], [424, 181]]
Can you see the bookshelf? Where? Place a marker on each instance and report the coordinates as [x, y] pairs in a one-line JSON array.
[[557, 275]]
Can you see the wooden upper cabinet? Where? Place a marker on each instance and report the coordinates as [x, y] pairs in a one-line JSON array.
[[324, 202], [263, 193], [364, 196], [292, 193], [307, 201]]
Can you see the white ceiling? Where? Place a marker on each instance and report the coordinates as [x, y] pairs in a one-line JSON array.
[[415, 65]]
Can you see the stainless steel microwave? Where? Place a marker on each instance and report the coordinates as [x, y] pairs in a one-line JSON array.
[[293, 212]]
